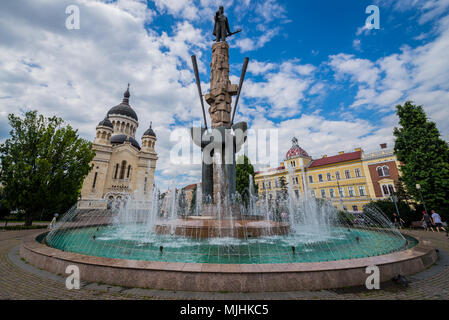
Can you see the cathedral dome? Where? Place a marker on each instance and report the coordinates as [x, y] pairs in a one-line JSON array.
[[124, 108], [106, 123], [150, 132], [296, 151], [121, 138]]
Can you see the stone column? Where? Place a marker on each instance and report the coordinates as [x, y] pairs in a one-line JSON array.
[[220, 98], [221, 90]]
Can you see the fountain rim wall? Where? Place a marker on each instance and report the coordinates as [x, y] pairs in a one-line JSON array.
[[180, 276]]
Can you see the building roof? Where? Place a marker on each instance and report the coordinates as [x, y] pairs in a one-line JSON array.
[[296, 150], [191, 186], [269, 170], [150, 132], [121, 138], [336, 159], [106, 123], [124, 108]]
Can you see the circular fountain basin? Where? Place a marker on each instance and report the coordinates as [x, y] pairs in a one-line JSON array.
[[126, 263], [210, 227]]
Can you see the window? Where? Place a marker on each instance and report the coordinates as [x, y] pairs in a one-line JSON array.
[[122, 171], [347, 174], [296, 180], [332, 193], [293, 163], [337, 175], [263, 185], [380, 171], [310, 179], [320, 177], [388, 190], [341, 191], [129, 172], [391, 189], [297, 193], [329, 177], [145, 185], [269, 184], [95, 180], [355, 208], [362, 191], [116, 171], [276, 182], [312, 193], [351, 191], [357, 173], [323, 193], [386, 170]]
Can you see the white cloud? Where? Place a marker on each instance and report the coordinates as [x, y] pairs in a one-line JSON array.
[[419, 74]]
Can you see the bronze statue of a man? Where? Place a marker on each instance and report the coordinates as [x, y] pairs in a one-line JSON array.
[[221, 28]]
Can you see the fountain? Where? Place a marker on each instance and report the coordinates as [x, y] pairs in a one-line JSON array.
[[291, 242]]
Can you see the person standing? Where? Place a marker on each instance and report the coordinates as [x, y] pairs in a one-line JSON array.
[[398, 222], [437, 221], [427, 220], [53, 222]]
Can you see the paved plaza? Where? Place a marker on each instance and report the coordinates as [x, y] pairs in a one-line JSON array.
[[20, 280]]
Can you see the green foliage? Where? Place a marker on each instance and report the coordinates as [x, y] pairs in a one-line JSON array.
[[388, 208], [424, 157], [244, 169], [5, 207], [43, 165], [345, 218]]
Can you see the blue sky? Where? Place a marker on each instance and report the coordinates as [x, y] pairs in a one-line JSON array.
[[315, 72]]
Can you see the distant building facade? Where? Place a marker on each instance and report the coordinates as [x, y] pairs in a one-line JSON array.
[[348, 180], [121, 167]]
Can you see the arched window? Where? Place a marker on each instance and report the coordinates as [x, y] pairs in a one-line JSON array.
[[116, 171], [123, 169], [95, 180], [129, 172], [386, 170], [380, 171]]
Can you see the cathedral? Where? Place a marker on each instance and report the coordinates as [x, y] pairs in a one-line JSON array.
[[121, 166]]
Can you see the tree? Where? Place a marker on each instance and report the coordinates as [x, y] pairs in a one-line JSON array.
[[424, 157], [244, 169], [284, 188], [388, 208], [44, 164]]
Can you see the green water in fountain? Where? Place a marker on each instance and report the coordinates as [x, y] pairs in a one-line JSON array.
[[137, 244]]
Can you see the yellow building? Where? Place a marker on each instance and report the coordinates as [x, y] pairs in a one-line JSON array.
[[349, 180]]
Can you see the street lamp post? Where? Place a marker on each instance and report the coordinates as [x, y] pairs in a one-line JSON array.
[[395, 200], [418, 187], [339, 193]]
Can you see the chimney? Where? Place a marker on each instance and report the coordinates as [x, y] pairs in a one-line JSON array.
[[324, 156], [358, 149], [341, 152], [383, 146]]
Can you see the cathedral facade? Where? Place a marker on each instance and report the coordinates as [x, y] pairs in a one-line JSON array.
[[121, 167]]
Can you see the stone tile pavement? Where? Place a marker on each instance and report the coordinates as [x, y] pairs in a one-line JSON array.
[[20, 280]]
